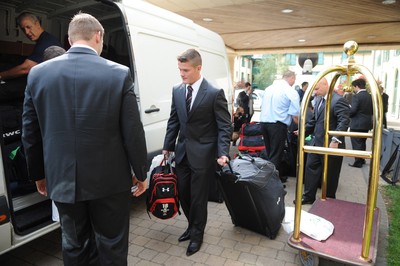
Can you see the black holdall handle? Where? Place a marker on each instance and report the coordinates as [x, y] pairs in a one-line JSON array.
[[232, 176], [229, 165]]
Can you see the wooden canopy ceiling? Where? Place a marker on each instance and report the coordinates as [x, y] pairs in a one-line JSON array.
[[261, 26]]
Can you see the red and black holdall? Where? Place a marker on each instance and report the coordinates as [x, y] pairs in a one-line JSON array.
[[162, 198]]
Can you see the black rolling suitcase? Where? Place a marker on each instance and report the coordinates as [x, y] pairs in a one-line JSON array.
[[253, 194]]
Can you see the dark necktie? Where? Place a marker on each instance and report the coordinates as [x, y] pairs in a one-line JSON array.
[[189, 98], [322, 103]]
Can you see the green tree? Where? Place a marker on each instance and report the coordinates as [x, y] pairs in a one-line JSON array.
[[268, 68]]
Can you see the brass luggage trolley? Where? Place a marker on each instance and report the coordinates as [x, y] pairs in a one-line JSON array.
[[355, 237]]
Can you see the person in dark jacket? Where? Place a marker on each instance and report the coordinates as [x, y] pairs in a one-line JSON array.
[[339, 121], [385, 104], [199, 132], [361, 117], [245, 101], [83, 137]]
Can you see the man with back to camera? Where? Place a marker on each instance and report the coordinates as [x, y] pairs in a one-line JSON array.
[[339, 121], [32, 28], [201, 121], [361, 117], [82, 134], [280, 105]]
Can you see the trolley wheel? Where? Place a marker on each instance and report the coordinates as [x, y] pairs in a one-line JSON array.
[[308, 259]]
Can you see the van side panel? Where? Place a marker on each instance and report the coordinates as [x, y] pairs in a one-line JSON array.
[[157, 72], [158, 37]]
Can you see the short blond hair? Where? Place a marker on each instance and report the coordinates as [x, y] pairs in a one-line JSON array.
[[83, 26]]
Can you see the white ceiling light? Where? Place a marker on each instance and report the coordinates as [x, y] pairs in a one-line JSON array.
[[287, 11], [207, 19], [388, 2], [301, 40]]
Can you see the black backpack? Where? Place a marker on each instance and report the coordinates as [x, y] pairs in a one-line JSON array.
[[162, 198]]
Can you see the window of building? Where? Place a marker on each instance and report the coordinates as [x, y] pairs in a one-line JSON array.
[[290, 59], [386, 54], [320, 58]]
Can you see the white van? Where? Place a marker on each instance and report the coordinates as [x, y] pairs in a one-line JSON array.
[[137, 34]]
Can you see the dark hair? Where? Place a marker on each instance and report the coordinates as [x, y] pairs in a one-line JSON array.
[[247, 84], [190, 55], [52, 51], [304, 83], [359, 83]]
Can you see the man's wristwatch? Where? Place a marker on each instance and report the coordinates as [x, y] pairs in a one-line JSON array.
[[336, 140]]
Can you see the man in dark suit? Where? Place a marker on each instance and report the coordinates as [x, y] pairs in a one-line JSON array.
[[245, 101], [82, 135], [201, 121], [339, 121], [385, 104], [361, 117]]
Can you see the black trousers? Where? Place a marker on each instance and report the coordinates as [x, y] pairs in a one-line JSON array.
[[313, 175], [359, 144], [275, 135], [96, 232], [193, 189]]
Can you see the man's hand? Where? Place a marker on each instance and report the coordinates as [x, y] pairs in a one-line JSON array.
[[333, 144], [138, 187], [41, 187], [166, 154], [223, 160]]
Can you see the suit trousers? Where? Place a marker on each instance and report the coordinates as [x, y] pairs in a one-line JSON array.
[[96, 232], [359, 144], [275, 136], [313, 175], [193, 189]]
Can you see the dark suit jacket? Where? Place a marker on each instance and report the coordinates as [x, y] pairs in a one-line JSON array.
[[361, 111], [385, 102], [204, 133], [82, 128], [338, 120]]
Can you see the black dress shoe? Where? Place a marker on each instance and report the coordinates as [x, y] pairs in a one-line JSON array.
[[185, 236], [193, 248], [355, 165], [305, 201]]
